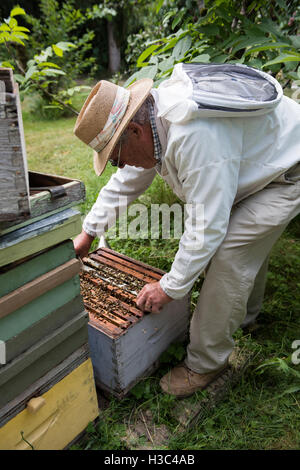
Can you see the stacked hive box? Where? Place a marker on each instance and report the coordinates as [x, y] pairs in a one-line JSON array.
[[47, 392]]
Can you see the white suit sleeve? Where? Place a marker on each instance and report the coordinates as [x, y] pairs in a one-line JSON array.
[[126, 185], [208, 168]]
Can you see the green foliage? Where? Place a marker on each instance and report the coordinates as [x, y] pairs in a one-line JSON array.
[[100, 12], [282, 365], [259, 34], [153, 27], [10, 31], [42, 73], [176, 352], [106, 433], [60, 23], [40, 66], [142, 390]]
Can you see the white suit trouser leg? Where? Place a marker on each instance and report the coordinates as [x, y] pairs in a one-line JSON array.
[[236, 277], [256, 298]]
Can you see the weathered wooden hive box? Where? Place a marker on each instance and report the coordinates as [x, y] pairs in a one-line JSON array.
[[14, 188], [25, 196], [47, 389], [125, 343], [48, 194]]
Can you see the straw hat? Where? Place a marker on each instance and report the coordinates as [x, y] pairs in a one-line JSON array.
[[96, 111]]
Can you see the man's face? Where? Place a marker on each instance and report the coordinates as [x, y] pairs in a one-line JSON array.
[[137, 149]]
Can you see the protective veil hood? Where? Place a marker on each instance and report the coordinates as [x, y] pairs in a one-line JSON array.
[[216, 90]]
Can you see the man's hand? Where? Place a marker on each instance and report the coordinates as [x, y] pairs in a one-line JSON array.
[[82, 244], [152, 298]]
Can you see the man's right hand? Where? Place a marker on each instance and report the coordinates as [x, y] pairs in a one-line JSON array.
[[82, 244]]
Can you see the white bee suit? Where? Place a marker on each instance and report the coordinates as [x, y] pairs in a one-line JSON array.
[[239, 163]]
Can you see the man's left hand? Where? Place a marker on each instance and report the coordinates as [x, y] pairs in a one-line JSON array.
[[152, 298]]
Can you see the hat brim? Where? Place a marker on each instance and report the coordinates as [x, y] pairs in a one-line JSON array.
[[139, 91]]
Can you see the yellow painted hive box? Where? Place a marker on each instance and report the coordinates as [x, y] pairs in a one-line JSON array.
[[54, 419]]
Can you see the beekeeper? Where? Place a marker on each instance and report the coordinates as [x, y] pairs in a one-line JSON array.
[[222, 136]]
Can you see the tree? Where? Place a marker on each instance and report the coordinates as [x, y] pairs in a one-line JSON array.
[[262, 34], [63, 22], [40, 71], [128, 17]]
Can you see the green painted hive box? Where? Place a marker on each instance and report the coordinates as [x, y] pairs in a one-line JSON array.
[[37, 296], [17, 375], [42, 316], [39, 235]]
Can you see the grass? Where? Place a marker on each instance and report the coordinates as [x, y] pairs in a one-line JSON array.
[[263, 410]]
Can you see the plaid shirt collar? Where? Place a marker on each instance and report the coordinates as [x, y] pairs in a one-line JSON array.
[[156, 141]]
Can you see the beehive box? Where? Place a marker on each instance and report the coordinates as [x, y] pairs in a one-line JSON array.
[[28, 311], [25, 196], [42, 317], [39, 235], [49, 194], [125, 343], [54, 410], [14, 187]]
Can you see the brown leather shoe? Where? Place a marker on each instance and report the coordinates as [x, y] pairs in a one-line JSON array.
[[183, 382]]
